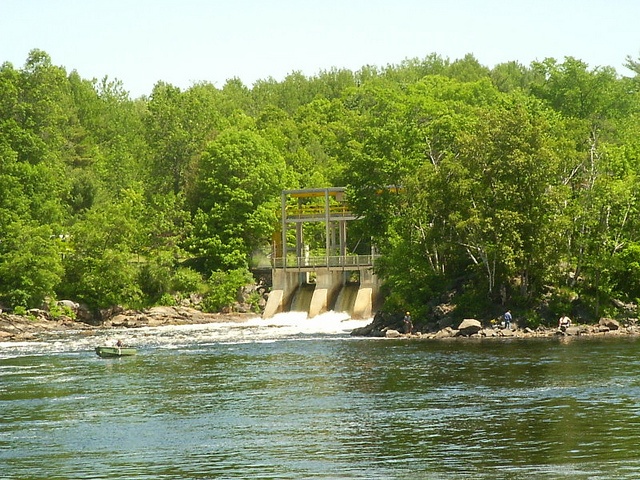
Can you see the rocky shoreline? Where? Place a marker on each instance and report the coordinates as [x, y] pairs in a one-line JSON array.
[[382, 326], [37, 323], [21, 328]]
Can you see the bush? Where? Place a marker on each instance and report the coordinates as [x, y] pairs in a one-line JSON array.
[[154, 280], [224, 287], [167, 300], [56, 311], [186, 281], [561, 302]]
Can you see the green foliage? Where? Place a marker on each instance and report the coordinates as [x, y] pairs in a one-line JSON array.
[[235, 198], [58, 311], [561, 301], [167, 300], [154, 280], [186, 281], [30, 264], [625, 272], [534, 320], [224, 288], [495, 183]]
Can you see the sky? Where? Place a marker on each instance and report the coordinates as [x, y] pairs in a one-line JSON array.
[[142, 42]]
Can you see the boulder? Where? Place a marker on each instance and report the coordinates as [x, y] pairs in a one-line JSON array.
[[609, 322], [70, 304], [469, 326], [392, 333], [443, 310], [573, 331], [39, 313], [84, 314], [446, 333], [118, 320]]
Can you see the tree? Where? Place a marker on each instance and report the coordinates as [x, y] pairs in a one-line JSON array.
[[179, 125], [30, 264], [105, 250], [235, 198]]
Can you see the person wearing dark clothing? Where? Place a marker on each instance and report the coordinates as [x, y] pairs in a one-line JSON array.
[[408, 323]]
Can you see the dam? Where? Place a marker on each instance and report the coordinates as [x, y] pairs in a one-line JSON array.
[[334, 279]]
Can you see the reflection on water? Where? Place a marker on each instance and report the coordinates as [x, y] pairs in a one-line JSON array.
[[286, 399]]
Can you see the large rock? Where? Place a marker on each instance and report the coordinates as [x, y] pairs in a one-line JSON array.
[[573, 331], [446, 332], [70, 304], [469, 326], [392, 333], [609, 323]]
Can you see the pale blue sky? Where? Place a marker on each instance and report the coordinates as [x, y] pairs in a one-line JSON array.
[[141, 42]]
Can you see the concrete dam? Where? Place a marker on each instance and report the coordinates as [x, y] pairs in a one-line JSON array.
[[338, 280]]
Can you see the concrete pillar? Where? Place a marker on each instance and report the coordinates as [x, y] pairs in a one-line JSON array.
[[363, 306], [284, 285], [328, 284]]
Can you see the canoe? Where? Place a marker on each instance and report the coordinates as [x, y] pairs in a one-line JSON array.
[[115, 351]]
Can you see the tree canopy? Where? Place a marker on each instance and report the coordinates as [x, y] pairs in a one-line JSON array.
[[513, 185]]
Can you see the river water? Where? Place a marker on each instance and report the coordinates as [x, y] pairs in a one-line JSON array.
[[293, 398]]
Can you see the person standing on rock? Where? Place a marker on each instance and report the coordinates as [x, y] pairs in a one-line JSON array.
[[408, 323], [507, 319]]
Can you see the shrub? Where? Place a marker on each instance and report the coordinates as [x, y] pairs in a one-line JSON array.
[[154, 280], [56, 311], [224, 287], [167, 300], [186, 280]]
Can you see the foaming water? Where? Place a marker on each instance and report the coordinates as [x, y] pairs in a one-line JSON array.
[[289, 325]]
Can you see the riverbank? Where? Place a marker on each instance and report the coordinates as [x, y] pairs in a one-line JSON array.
[[29, 327], [36, 323], [390, 327]]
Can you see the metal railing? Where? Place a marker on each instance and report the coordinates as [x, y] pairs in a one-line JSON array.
[[338, 261], [299, 211]]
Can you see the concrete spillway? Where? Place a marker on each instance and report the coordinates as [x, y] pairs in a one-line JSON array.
[[292, 292]]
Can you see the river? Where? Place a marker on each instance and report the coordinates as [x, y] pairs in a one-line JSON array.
[[293, 398]]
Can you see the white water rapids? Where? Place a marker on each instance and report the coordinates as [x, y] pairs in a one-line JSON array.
[[283, 326]]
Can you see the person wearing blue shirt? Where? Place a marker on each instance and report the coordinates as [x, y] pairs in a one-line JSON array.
[[507, 319]]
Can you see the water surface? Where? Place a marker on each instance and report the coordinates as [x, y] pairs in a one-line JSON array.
[[296, 399]]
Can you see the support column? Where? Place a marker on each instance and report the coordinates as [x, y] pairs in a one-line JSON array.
[[328, 285], [285, 284], [367, 295]]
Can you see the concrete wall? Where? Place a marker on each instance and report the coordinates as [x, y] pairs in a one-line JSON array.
[[328, 285]]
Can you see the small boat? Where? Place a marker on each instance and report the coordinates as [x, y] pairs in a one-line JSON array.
[[105, 351]]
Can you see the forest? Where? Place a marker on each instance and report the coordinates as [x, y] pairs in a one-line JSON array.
[[512, 186]]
